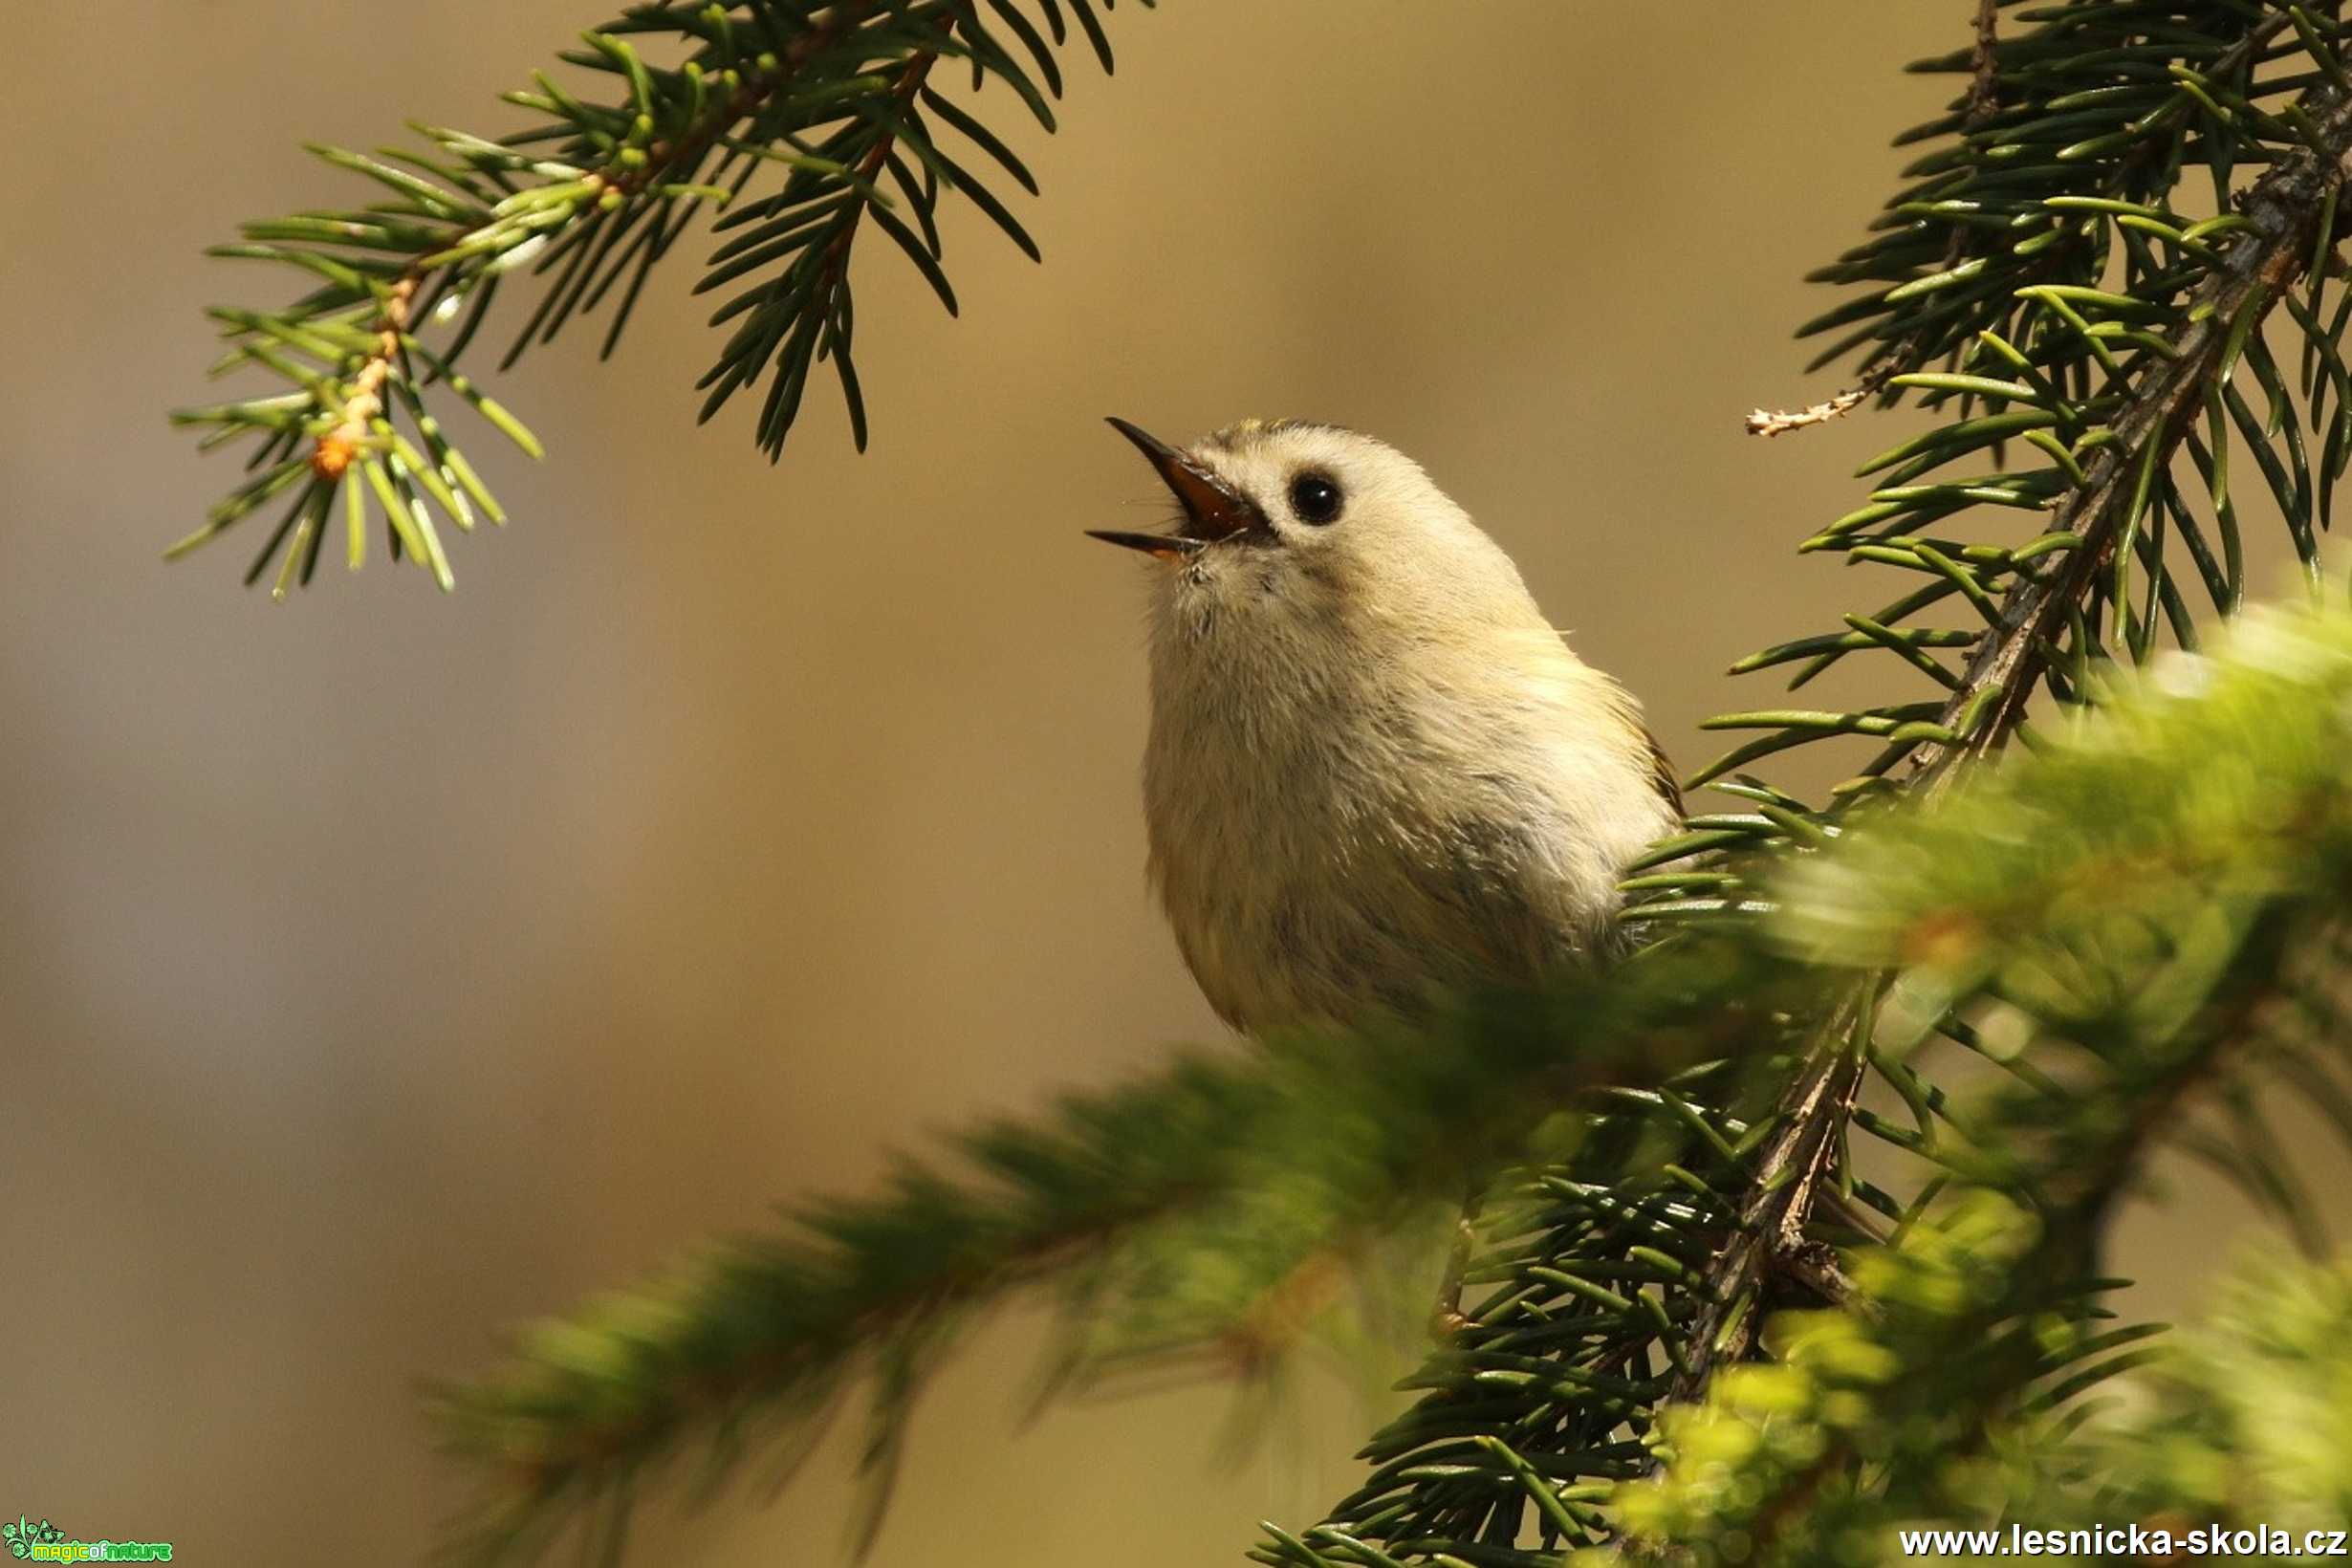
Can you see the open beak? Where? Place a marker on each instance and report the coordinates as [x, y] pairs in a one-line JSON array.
[[1214, 510]]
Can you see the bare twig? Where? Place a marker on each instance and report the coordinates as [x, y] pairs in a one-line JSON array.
[[1762, 421]]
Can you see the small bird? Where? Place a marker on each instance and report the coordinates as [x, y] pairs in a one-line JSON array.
[[1374, 769]]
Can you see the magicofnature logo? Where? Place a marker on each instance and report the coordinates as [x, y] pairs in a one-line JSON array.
[[45, 1542]]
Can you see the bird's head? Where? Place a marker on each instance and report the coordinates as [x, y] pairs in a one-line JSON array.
[[1284, 524]]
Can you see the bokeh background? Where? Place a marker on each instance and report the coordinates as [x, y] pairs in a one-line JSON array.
[[384, 969]]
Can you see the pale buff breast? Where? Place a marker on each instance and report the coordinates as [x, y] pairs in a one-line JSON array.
[[1329, 845]]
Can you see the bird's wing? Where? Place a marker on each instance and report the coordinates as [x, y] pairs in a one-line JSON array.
[[1626, 709], [1624, 706], [1660, 771]]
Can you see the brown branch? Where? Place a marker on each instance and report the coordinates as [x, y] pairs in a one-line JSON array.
[[332, 453], [1769, 1241], [1817, 1267], [1984, 67], [909, 83]]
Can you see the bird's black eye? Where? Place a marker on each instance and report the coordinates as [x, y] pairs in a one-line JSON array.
[[1315, 498]]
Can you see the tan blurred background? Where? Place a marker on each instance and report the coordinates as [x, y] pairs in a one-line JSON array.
[[380, 970]]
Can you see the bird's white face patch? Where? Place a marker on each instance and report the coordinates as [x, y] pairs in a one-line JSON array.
[[1351, 528]]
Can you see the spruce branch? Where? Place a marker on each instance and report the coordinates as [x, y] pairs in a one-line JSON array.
[[2150, 902], [2251, 276], [1988, 1309], [1192, 1218], [2063, 165], [593, 196]]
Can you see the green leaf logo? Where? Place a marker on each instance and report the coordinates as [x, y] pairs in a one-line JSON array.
[[24, 1535]]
